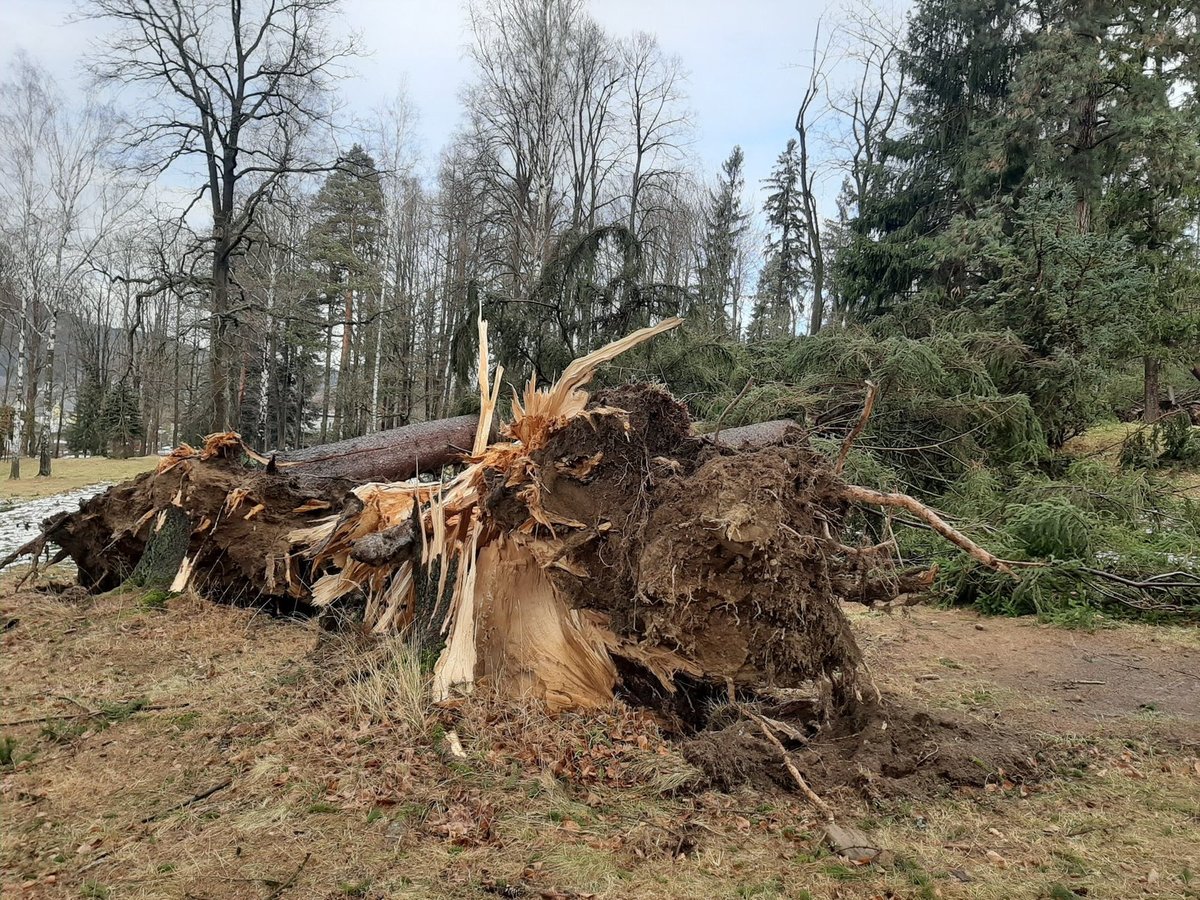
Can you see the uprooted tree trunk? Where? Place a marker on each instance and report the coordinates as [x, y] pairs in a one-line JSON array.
[[219, 517], [597, 547], [394, 455]]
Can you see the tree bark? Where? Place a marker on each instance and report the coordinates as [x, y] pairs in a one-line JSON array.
[[1151, 408], [392, 455], [18, 444], [165, 548], [217, 352], [754, 437]]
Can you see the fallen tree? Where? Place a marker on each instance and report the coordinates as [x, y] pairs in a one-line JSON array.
[[394, 455], [241, 505], [598, 546]]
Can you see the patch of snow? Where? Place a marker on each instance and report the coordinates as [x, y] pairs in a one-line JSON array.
[[23, 521]]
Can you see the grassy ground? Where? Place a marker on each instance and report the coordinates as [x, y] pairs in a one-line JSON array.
[[69, 474], [1104, 442], [155, 747]]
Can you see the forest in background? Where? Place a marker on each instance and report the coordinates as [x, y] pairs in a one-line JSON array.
[[1012, 256]]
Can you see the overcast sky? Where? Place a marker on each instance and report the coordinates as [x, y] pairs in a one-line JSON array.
[[742, 57]]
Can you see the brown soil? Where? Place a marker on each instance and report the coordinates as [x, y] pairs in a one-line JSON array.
[[1139, 679], [1068, 680], [887, 750]]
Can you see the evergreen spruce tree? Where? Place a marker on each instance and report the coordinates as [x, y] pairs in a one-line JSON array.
[[724, 225], [778, 302], [1044, 186], [86, 434], [120, 419]]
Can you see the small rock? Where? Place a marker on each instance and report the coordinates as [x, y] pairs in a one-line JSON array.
[[397, 829], [996, 859], [852, 844]]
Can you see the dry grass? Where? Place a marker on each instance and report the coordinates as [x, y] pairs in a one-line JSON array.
[[70, 474], [337, 785], [391, 689]]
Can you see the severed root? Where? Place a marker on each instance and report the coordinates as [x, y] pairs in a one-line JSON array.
[[808, 792], [936, 522]]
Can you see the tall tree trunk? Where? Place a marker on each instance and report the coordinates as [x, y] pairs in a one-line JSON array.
[[18, 444], [1086, 142], [62, 405], [325, 389], [218, 340], [817, 316], [373, 424], [268, 350], [1151, 411], [341, 412], [175, 393]]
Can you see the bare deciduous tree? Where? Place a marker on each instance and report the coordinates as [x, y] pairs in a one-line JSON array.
[[229, 91], [60, 202]]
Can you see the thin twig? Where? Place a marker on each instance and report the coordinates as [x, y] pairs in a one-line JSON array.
[[190, 801], [89, 713], [278, 892], [808, 792]]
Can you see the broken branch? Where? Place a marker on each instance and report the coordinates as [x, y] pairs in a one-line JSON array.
[[937, 523]]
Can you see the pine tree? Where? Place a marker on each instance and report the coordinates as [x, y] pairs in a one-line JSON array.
[[86, 434], [778, 303], [724, 225], [346, 244]]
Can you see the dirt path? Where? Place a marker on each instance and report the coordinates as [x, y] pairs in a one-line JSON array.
[[200, 751], [1064, 679]]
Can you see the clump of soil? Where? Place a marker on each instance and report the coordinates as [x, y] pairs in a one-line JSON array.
[[885, 749]]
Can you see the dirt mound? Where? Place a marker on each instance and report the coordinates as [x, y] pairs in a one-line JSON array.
[[885, 749]]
